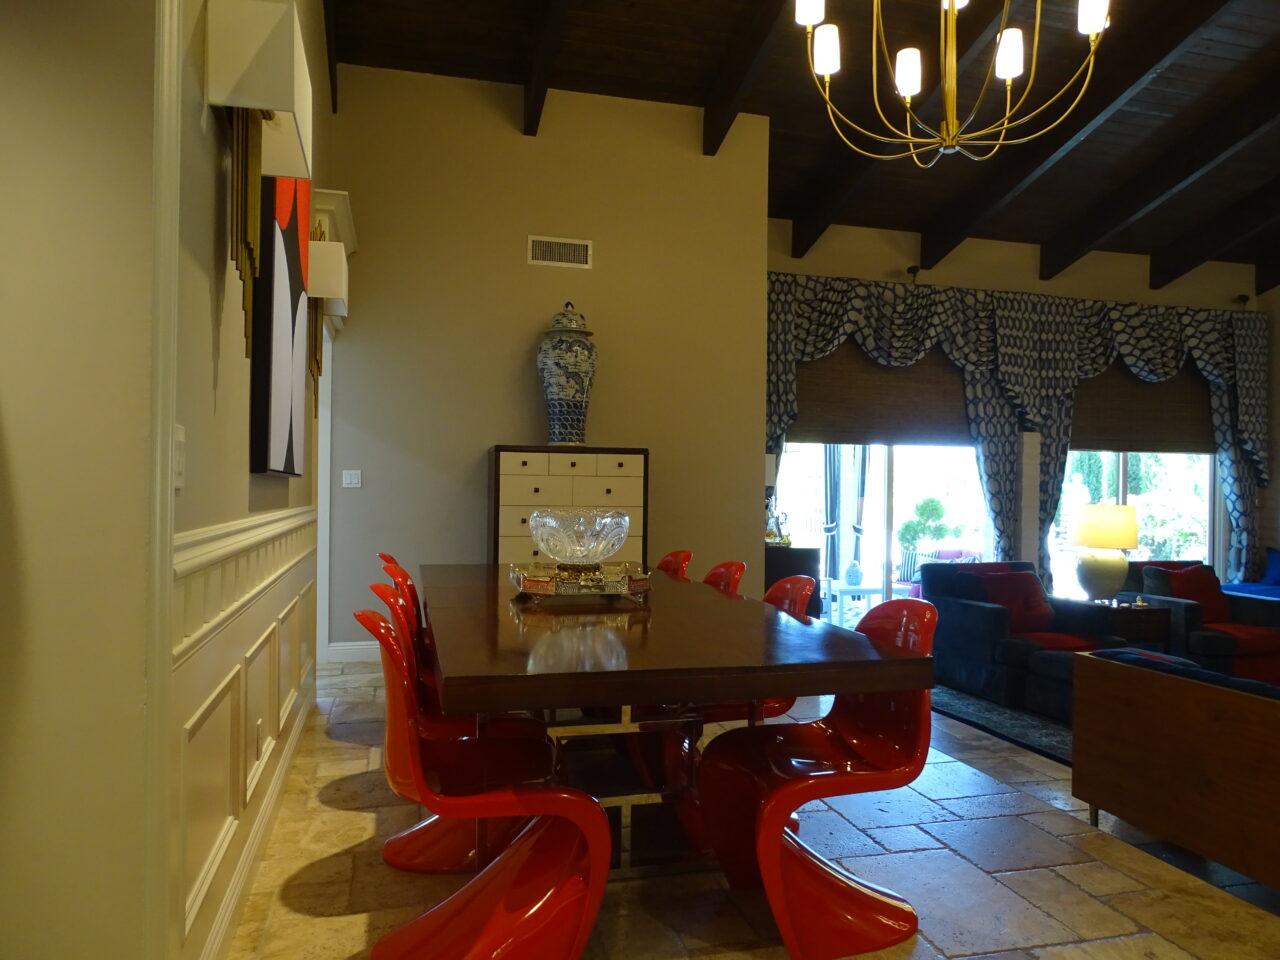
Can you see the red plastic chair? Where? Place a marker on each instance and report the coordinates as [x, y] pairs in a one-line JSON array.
[[791, 594], [675, 564], [750, 780], [539, 897], [726, 576], [517, 747]]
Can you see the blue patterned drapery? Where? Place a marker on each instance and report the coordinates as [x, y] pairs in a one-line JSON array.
[[1022, 355]]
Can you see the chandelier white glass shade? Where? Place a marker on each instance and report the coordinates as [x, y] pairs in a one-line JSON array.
[[923, 139]]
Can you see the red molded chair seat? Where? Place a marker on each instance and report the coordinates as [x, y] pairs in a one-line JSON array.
[[751, 780], [540, 895], [675, 564], [726, 576]]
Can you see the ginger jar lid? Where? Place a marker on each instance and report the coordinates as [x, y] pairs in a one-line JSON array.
[[570, 319]]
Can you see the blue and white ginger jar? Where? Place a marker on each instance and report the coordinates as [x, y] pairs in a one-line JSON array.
[[566, 369]]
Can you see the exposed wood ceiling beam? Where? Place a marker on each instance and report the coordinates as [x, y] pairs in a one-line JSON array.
[[544, 54], [1218, 139], [1135, 52], [1238, 223], [1266, 274], [977, 32], [738, 72], [331, 49]]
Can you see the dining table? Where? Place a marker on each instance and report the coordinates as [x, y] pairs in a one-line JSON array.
[[685, 643]]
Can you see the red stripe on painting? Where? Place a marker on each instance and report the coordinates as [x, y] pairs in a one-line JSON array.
[[284, 200]]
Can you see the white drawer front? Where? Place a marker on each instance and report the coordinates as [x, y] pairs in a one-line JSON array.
[[514, 521], [630, 549], [608, 491], [531, 464], [619, 465], [572, 464], [549, 491], [519, 550]]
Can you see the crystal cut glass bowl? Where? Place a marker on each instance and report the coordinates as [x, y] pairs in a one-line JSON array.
[[581, 536]]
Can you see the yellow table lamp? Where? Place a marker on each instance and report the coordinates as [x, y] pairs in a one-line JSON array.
[[1103, 530]]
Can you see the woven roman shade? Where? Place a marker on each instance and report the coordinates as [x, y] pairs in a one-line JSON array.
[[846, 397], [1117, 411]]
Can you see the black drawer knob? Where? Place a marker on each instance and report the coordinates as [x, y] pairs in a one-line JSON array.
[[608, 489], [524, 463], [537, 489], [535, 553], [573, 463], [524, 519], [619, 464]]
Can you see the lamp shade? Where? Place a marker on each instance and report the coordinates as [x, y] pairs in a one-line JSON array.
[[255, 59], [327, 275], [1106, 526]]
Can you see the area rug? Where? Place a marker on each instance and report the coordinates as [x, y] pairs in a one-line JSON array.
[[1039, 734]]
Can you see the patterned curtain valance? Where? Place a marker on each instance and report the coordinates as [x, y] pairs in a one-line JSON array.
[[1022, 355]]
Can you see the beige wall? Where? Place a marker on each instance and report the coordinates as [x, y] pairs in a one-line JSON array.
[[995, 265], [75, 371], [437, 361], [213, 374]]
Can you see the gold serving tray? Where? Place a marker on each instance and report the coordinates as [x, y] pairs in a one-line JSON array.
[[570, 584]]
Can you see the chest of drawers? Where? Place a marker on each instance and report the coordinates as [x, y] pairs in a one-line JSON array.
[[525, 478]]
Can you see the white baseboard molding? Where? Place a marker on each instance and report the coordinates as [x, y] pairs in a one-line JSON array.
[[238, 891], [348, 652]]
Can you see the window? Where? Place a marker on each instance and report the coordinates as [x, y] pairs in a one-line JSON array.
[[898, 506], [1171, 491]]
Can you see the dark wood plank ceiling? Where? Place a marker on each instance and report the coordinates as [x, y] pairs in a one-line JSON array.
[[1172, 152]]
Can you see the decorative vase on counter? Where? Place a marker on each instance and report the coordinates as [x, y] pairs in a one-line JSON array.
[[566, 369]]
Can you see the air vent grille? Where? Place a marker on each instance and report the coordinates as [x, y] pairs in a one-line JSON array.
[[559, 252]]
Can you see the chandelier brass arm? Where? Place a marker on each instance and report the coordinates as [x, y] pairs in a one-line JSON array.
[[918, 138]]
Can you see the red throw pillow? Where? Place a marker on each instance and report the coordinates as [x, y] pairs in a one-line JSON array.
[[1022, 594], [1200, 583]]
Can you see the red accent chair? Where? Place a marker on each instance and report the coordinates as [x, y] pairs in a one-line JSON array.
[[791, 594], [993, 616], [726, 576], [675, 564], [517, 746], [539, 896], [751, 780], [1231, 633]]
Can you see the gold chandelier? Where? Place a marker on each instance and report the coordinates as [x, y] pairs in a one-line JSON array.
[[925, 142]]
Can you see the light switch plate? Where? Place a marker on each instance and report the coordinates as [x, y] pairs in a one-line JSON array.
[[351, 478]]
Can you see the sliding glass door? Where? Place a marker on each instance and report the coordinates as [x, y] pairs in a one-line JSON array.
[[893, 508]]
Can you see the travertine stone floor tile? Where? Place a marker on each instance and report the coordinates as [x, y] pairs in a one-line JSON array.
[[1005, 955], [1113, 825], [1008, 769], [374, 885], [1141, 866], [962, 910], [833, 837], [317, 938], [998, 805], [1145, 946], [326, 770], [357, 792], [917, 948], [892, 808], [703, 920], [634, 934], [301, 900], [988, 749], [362, 667], [1098, 879], [1053, 770], [1005, 843], [937, 756], [335, 831], [1056, 793], [273, 874], [1065, 901], [944, 781], [1204, 921], [286, 833], [900, 839], [1060, 823], [348, 711]]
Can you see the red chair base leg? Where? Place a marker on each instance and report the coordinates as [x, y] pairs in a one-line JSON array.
[[823, 912], [445, 845], [528, 904]]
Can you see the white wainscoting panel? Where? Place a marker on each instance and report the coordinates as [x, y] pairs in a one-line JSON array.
[[243, 684]]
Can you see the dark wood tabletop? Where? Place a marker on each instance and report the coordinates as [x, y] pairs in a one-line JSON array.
[[690, 643]]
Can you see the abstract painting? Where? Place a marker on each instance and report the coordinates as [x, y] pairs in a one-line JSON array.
[[278, 365]]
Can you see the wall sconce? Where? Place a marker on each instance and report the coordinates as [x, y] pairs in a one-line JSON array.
[[255, 60]]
